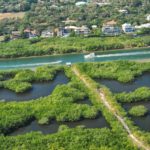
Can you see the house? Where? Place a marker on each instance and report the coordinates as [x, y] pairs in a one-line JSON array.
[[128, 28], [146, 25], [110, 28], [148, 18], [84, 30], [47, 33], [123, 11], [15, 35], [81, 3], [62, 32], [30, 33]]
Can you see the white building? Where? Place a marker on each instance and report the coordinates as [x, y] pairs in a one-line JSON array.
[[147, 25], [124, 11], [47, 34], [84, 30], [81, 3], [128, 28], [111, 28], [148, 18]]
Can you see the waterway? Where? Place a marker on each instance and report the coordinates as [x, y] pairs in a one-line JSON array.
[[53, 127], [39, 89], [30, 62], [117, 87], [142, 122]]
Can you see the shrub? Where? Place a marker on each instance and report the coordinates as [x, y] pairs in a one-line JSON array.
[[138, 111]]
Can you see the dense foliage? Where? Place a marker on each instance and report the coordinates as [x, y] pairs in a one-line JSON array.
[[70, 139], [140, 94], [123, 71], [20, 80], [61, 106], [23, 48], [15, 5], [45, 13], [138, 111], [58, 106]]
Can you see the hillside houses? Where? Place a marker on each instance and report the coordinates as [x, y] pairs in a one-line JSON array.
[[110, 28], [47, 33], [28, 33], [148, 18], [128, 28]]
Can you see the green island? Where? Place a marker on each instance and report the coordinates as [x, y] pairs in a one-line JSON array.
[[63, 106], [138, 111]]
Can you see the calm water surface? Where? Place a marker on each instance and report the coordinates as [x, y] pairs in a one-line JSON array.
[[75, 58], [99, 122], [38, 90], [142, 122], [116, 86]]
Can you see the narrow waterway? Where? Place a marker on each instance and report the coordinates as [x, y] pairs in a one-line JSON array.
[[117, 87], [39, 89], [53, 127], [74, 58], [142, 122]]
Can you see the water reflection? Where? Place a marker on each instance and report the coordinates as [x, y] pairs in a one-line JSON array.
[[99, 122], [116, 86], [142, 122], [38, 90]]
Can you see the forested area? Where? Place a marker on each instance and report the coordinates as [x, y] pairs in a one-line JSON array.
[[140, 94], [123, 71], [61, 106], [21, 80], [51, 14], [109, 70], [24, 48]]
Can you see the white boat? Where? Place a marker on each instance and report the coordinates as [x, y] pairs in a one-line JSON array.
[[89, 56], [68, 63]]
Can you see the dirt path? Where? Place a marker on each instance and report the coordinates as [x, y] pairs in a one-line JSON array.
[[102, 98]]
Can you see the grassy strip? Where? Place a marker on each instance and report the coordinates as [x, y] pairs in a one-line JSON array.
[[25, 47], [140, 94]]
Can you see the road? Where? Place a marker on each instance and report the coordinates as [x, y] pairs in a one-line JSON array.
[[102, 97]]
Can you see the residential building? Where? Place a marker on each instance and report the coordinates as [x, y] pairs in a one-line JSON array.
[[81, 3], [62, 32], [128, 28], [146, 25], [47, 33], [124, 11], [110, 28], [30, 33], [84, 30], [148, 18], [15, 35]]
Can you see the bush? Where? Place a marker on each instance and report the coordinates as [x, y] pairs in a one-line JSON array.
[[138, 111]]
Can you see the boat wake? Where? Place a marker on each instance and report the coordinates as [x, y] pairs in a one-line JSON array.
[[123, 54], [32, 65]]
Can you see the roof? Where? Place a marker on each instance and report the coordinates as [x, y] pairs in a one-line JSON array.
[[112, 22], [81, 3]]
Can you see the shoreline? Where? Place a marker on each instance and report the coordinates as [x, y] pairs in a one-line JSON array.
[[77, 53]]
